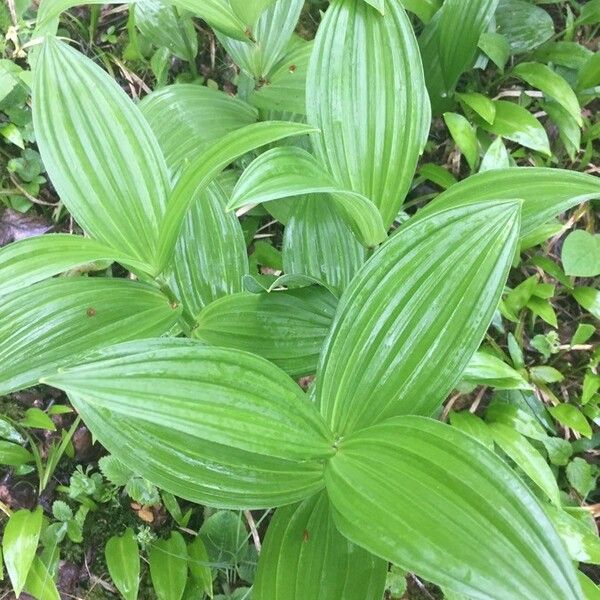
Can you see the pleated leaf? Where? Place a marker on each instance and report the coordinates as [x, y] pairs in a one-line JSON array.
[[366, 93], [291, 171], [203, 169], [285, 88], [52, 323], [215, 426], [317, 243], [288, 328], [34, 259], [161, 24], [250, 10], [449, 46], [545, 192], [304, 556], [410, 321], [218, 13], [100, 153], [210, 257], [186, 118], [426, 496], [272, 34]]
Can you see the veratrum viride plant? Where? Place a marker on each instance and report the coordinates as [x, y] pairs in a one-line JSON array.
[[188, 379]]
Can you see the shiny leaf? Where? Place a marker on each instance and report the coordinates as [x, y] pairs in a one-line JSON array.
[[19, 544], [527, 458], [34, 259], [552, 84], [288, 328], [285, 88], [212, 425], [546, 192], [410, 321], [317, 242], [203, 169], [39, 582], [486, 369], [366, 93], [186, 118], [517, 124], [100, 153], [449, 45], [168, 567], [304, 556], [54, 322], [272, 34], [123, 561], [291, 171], [164, 27], [210, 257], [423, 495], [524, 24]]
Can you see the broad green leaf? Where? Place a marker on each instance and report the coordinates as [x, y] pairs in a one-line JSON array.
[[199, 565], [288, 327], [39, 582], [472, 425], [496, 157], [304, 556], [517, 124], [570, 416], [424, 9], [525, 25], [168, 567], [588, 298], [481, 104], [449, 46], [568, 129], [210, 257], [186, 118], [285, 88], [291, 171], [486, 369], [515, 418], [123, 561], [590, 13], [317, 242], [527, 458], [34, 259], [423, 495], [582, 476], [590, 590], [203, 169], [565, 54], [552, 84], [411, 319], [580, 538], [464, 136], [589, 75], [218, 13], [545, 192], [159, 21], [379, 5], [366, 93], [99, 152], [14, 455], [249, 10], [36, 418], [580, 254], [19, 544], [212, 425], [272, 34], [54, 322], [496, 47]]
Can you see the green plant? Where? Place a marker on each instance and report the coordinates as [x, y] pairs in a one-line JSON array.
[[362, 470]]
